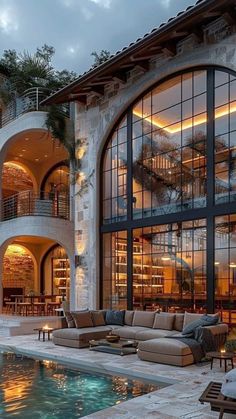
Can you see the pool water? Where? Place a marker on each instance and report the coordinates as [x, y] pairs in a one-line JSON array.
[[33, 389]]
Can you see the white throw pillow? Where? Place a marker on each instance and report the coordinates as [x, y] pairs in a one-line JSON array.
[[230, 376], [229, 390]]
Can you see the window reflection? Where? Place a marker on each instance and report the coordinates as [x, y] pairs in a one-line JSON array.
[[169, 266], [115, 270], [169, 148], [115, 176], [225, 264]]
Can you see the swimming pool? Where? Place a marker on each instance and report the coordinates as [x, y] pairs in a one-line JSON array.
[[34, 389]]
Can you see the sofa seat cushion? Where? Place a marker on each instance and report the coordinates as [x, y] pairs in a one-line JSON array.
[[128, 332], [165, 346], [153, 334], [83, 334]]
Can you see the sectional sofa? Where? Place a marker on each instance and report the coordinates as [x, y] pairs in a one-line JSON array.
[[153, 331]]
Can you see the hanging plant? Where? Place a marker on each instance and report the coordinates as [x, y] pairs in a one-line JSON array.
[[56, 123]]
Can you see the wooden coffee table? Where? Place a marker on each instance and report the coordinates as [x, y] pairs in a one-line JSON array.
[[122, 347], [222, 356], [44, 332]]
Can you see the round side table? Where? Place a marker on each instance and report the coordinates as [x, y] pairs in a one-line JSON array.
[[222, 356]]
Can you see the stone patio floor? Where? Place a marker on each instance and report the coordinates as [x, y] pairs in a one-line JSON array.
[[180, 400]]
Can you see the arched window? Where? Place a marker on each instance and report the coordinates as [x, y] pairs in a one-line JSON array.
[[169, 197]]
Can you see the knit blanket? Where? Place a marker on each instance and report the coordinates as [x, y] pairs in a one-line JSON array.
[[201, 342]]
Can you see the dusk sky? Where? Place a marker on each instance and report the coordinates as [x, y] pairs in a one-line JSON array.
[[77, 27]]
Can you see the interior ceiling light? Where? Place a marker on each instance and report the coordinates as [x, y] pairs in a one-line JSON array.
[[187, 123], [36, 159], [232, 265], [45, 155], [26, 139], [217, 263], [165, 258], [23, 149], [20, 155]]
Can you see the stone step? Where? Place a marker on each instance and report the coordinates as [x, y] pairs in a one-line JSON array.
[[10, 326]]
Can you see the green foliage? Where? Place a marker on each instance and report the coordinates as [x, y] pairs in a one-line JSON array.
[[56, 124], [101, 57], [28, 70]]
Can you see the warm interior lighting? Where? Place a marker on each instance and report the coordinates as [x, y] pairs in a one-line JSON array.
[[217, 263], [46, 327], [16, 249], [187, 123], [222, 351], [165, 258], [14, 165], [232, 265]]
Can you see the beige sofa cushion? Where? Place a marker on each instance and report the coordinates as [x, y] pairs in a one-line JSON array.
[[128, 332], [143, 318], [129, 314], [165, 346], [164, 321], [82, 319], [84, 334], [153, 334], [178, 322], [190, 317], [69, 319], [98, 318]]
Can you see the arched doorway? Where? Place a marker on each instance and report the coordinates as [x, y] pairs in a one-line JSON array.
[[19, 271]]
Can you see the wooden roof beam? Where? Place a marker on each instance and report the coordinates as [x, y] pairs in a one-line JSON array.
[[142, 65], [80, 97], [210, 14], [178, 34], [98, 91], [120, 76], [230, 16], [169, 48], [100, 82]]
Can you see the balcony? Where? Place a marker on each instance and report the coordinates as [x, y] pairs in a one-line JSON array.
[[29, 101], [28, 203]]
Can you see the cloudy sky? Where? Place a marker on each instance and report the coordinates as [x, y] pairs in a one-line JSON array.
[[77, 27]]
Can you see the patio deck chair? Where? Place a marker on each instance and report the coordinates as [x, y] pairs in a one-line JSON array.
[[219, 403]]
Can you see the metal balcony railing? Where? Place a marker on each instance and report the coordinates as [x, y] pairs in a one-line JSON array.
[[41, 204], [29, 101]]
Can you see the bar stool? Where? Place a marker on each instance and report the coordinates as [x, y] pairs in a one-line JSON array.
[[51, 306], [39, 309], [24, 308], [10, 307]]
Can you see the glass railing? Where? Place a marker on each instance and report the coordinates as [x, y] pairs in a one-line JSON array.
[[45, 204], [29, 101]]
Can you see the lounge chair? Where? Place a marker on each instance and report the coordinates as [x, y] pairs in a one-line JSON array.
[[219, 403]]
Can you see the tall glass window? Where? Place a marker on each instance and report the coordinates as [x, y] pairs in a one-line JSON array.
[[169, 198], [169, 147], [169, 266], [115, 176]]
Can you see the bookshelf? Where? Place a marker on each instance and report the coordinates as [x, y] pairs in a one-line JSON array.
[[61, 276]]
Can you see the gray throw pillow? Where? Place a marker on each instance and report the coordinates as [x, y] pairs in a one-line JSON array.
[[205, 320], [115, 317]]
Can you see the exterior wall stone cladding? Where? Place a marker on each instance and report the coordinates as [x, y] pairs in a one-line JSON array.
[[95, 124]]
